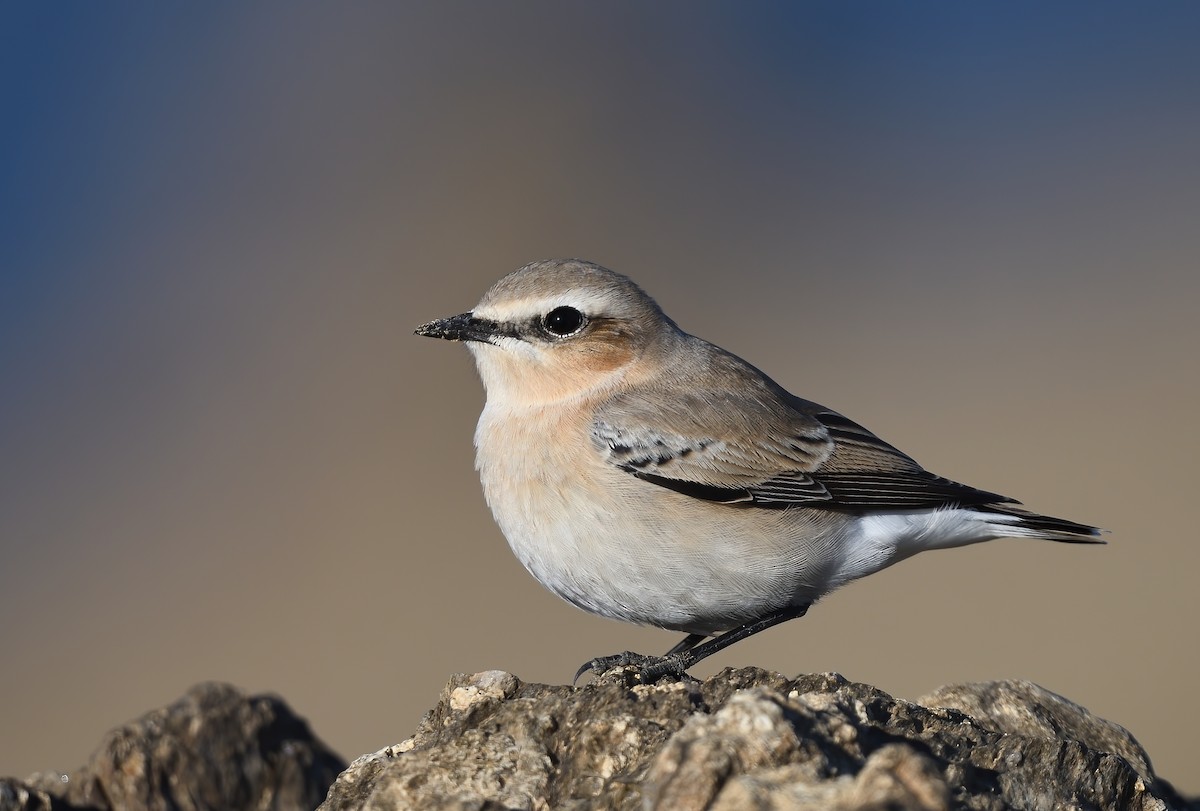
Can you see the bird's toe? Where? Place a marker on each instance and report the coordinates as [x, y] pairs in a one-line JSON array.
[[647, 669]]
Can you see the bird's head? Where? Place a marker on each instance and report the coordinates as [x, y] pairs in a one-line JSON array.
[[558, 329]]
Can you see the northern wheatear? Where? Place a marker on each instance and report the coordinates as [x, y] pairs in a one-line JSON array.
[[644, 474]]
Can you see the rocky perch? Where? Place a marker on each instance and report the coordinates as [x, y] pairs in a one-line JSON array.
[[748, 739], [743, 740]]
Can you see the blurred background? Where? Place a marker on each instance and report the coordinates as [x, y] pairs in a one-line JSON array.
[[223, 454]]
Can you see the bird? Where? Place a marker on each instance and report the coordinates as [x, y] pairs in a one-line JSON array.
[[647, 475]]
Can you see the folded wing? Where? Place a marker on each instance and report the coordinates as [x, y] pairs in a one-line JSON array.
[[762, 447]]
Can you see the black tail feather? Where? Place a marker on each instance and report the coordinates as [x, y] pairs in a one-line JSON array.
[[1048, 527]]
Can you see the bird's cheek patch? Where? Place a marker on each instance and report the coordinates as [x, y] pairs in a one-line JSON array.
[[603, 350]]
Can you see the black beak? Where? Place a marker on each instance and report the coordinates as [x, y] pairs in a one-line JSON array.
[[465, 327]]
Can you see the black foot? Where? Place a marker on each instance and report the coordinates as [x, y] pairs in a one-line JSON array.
[[649, 668], [689, 651]]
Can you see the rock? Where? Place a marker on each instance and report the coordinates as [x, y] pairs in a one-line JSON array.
[[16, 795], [749, 740], [744, 740], [215, 748]]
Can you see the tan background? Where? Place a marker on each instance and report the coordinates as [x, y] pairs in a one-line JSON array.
[[223, 455]]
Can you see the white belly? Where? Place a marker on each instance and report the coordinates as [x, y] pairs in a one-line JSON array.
[[627, 549], [616, 546]]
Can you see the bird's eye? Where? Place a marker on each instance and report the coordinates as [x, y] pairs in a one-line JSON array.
[[563, 321]]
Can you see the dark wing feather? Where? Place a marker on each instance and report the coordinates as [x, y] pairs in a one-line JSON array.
[[866, 491], [758, 446], [864, 472]]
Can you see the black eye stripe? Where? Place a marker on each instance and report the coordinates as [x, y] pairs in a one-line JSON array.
[[563, 321]]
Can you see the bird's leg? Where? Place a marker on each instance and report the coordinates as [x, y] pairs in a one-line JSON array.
[[602, 664], [691, 650], [687, 643], [676, 663]]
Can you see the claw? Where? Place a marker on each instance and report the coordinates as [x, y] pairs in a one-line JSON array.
[[584, 668], [603, 664], [649, 668]]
